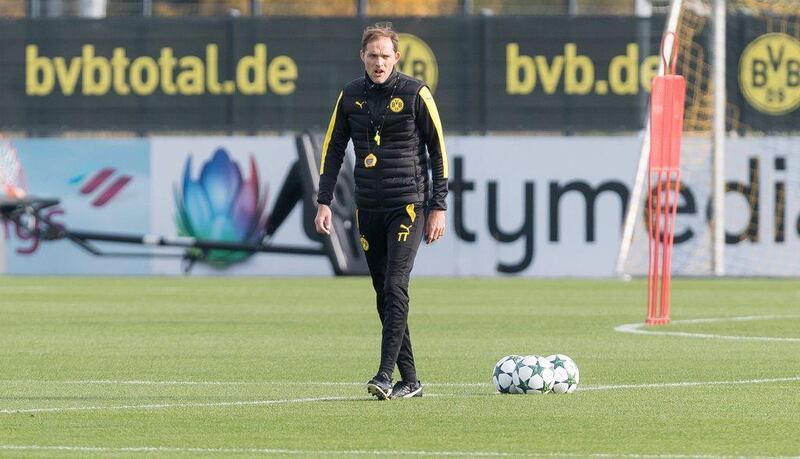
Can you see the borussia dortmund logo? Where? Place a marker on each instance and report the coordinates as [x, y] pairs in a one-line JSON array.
[[364, 243], [769, 73], [418, 60], [396, 105]]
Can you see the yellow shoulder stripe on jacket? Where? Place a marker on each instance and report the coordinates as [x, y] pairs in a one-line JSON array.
[[427, 97], [328, 134]]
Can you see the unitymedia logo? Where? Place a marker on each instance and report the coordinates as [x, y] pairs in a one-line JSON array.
[[221, 205]]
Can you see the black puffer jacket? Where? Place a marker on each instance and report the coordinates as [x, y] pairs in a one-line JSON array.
[[391, 124]]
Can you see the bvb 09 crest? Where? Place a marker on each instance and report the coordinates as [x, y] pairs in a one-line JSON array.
[[769, 73], [417, 59], [396, 105]]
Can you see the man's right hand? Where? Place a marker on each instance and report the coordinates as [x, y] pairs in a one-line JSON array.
[[323, 220]]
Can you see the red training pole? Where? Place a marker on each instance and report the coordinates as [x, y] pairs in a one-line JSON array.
[[666, 127]]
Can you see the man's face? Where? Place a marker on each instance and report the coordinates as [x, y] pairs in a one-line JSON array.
[[379, 58]]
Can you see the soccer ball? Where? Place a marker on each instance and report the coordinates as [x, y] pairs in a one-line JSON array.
[[566, 374], [503, 374], [533, 375]]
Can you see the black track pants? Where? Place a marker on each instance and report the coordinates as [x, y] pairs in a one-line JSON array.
[[390, 240]]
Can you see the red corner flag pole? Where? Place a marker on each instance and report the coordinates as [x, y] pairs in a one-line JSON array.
[[663, 182]]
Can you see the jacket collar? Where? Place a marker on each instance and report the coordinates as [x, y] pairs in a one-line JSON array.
[[382, 86]]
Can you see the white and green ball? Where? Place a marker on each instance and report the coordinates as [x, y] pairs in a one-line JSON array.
[[533, 375], [503, 374], [565, 372]]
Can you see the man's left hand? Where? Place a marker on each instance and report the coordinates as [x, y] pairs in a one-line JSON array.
[[434, 227]]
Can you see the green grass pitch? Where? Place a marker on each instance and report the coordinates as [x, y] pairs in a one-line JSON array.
[[220, 367]]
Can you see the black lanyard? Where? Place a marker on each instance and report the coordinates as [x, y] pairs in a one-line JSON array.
[[385, 112]]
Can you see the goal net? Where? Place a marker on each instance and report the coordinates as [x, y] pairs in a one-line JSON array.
[[757, 153]]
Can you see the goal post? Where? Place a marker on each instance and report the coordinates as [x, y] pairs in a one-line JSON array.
[[739, 213], [718, 139], [637, 197]]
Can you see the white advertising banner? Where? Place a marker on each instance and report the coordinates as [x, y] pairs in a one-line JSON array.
[[762, 204], [549, 206], [518, 205], [535, 206], [224, 188], [530, 206], [762, 210], [102, 186]]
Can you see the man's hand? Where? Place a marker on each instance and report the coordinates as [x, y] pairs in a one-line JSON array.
[[323, 220], [434, 227]]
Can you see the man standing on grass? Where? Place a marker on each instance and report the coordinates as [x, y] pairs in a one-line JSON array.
[[391, 119]]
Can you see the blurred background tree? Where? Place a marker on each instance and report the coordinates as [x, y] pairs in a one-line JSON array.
[[378, 8]]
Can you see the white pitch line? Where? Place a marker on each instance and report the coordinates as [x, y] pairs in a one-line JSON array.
[[309, 452], [689, 384], [637, 328], [179, 405], [141, 382], [327, 399], [25, 288], [136, 382]]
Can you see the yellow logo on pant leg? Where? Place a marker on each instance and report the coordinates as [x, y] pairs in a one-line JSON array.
[[402, 235], [364, 243], [410, 211]]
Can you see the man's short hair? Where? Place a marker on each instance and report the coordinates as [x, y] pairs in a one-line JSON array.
[[380, 29]]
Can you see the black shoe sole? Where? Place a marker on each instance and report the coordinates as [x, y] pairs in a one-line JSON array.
[[377, 391], [412, 394]]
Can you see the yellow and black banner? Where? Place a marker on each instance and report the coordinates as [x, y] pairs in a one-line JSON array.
[[557, 74]]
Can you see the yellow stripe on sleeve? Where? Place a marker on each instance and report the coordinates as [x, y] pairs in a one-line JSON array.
[[328, 134], [427, 97]]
